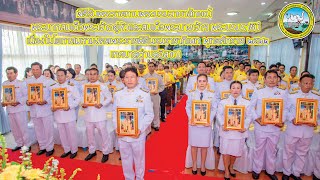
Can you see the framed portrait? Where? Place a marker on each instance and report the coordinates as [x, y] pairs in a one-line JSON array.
[[272, 110], [307, 111], [35, 93], [200, 112], [112, 89], [9, 96], [59, 98], [127, 121], [91, 94], [249, 93], [225, 94], [152, 84], [234, 117]]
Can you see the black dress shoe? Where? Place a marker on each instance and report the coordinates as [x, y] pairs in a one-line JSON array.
[[272, 176], [49, 153], [194, 172], [163, 119], [314, 177], [16, 149], [90, 156], [156, 129], [73, 155], [203, 173], [41, 152], [232, 174], [295, 177], [65, 154], [255, 175], [225, 178], [105, 158], [285, 177]]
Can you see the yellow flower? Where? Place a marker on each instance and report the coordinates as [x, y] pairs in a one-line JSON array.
[[33, 174], [10, 172]]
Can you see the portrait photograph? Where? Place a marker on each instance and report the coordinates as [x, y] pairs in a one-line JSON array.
[[9, 96], [234, 117], [91, 95], [272, 110], [249, 93], [152, 84], [112, 89], [127, 121], [59, 98], [306, 112], [200, 112], [35, 93], [225, 94]]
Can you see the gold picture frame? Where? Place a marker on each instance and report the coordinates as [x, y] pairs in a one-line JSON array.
[[91, 94], [152, 84], [59, 98], [200, 112], [272, 111], [234, 117], [9, 94], [306, 111], [225, 94], [127, 122], [112, 89], [35, 93], [249, 93]]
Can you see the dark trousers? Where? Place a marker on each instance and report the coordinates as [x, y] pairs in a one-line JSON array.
[[173, 90], [163, 96]]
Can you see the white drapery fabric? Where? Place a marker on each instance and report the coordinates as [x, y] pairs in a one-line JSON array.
[[284, 52], [259, 53], [314, 58], [18, 54], [115, 61]]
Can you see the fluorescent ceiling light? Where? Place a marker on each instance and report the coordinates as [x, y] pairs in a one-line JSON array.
[[250, 17], [121, 1], [160, 8], [286, 2], [263, 3], [232, 13]]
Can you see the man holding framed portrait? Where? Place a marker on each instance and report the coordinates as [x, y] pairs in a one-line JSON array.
[[302, 119], [95, 114], [155, 88], [65, 113], [17, 112], [40, 111], [267, 134], [132, 115], [252, 84]]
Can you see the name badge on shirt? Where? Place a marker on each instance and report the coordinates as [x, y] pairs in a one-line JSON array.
[[277, 93], [139, 99]]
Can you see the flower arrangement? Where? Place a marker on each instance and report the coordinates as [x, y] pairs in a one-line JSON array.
[[25, 171]]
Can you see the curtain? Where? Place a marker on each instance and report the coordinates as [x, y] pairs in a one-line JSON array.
[[4, 122], [86, 57], [16, 53], [259, 53], [314, 58], [115, 61], [284, 52], [100, 58]]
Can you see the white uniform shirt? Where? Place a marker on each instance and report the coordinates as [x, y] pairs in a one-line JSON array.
[[37, 111], [74, 99], [256, 102], [134, 98], [20, 95], [93, 114], [301, 131]]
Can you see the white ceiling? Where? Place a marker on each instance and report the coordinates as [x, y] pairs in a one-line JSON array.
[[246, 9]]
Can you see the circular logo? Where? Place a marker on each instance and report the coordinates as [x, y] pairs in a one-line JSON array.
[[296, 20]]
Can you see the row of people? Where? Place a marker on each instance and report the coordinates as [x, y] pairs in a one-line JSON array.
[[266, 136]]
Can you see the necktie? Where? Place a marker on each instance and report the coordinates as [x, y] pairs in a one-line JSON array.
[[201, 96], [235, 102]]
